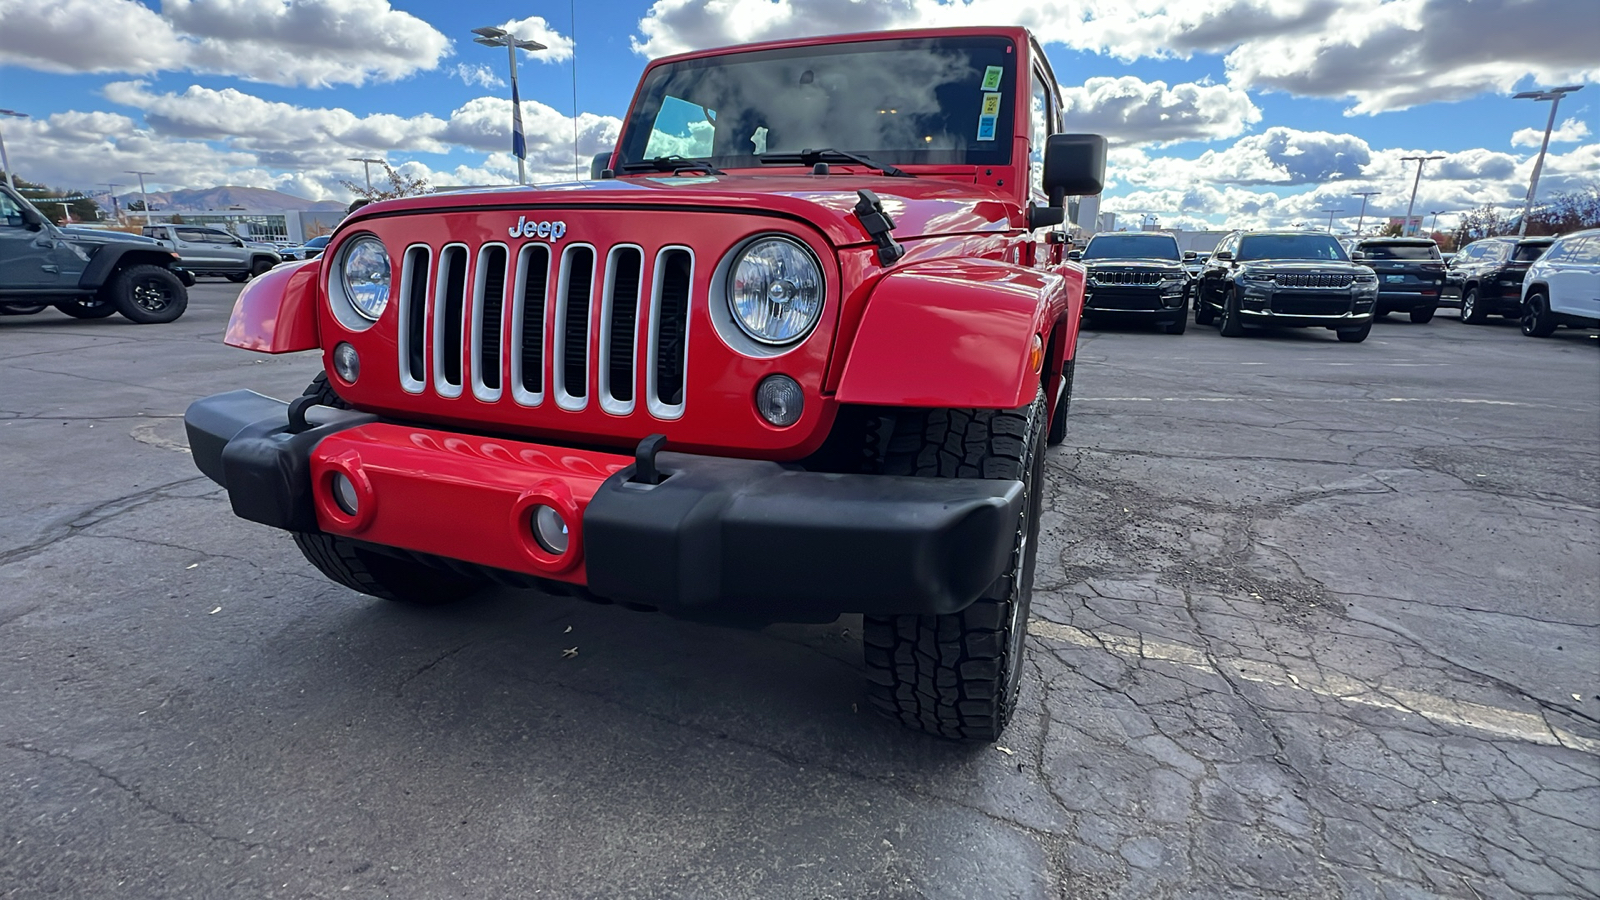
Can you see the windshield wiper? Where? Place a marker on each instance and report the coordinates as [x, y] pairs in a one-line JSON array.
[[812, 157], [673, 164]]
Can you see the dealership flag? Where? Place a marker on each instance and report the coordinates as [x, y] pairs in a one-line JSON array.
[[519, 146]]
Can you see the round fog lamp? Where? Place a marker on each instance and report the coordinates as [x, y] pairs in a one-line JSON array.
[[344, 494], [550, 530], [780, 400], [346, 363]]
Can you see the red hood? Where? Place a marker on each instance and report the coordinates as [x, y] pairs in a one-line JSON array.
[[920, 207]]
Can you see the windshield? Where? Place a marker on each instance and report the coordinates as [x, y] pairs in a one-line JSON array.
[[1529, 252], [1401, 251], [318, 241], [1290, 246], [1131, 246], [941, 101]]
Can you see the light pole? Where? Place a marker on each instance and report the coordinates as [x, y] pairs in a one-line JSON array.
[[366, 163], [1361, 219], [1554, 95], [1405, 227], [144, 200], [5, 162], [111, 191], [490, 36], [1435, 226], [1330, 213]]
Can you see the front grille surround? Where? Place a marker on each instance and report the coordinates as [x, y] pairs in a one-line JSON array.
[[488, 308], [617, 371], [411, 317], [1132, 279], [1313, 280], [569, 338], [449, 301], [667, 349], [529, 299]]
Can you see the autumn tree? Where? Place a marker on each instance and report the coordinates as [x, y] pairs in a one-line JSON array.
[[400, 185]]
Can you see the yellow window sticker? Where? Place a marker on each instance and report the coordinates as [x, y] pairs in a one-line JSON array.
[[991, 105], [991, 78]]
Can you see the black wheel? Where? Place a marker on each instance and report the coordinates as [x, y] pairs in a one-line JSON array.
[[1231, 324], [379, 575], [87, 309], [1472, 310], [1058, 422], [149, 295], [1203, 314], [238, 277], [1355, 335], [260, 267], [21, 309], [1537, 320], [957, 675], [1178, 325], [1422, 315]]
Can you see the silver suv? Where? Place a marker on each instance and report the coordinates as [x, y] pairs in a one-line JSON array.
[[211, 251], [1563, 286]]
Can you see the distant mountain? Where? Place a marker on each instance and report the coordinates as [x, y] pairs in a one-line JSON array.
[[228, 196]]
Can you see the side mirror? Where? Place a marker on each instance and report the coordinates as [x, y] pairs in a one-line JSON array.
[[1190, 254], [1357, 254], [599, 166], [31, 219], [1074, 255], [1223, 256], [1075, 165]]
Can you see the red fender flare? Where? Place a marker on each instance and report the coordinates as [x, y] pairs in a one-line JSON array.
[[277, 311]]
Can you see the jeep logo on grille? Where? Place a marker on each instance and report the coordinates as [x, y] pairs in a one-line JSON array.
[[552, 231]]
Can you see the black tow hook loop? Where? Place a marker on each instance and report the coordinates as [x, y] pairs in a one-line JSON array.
[[869, 210], [297, 413], [644, 460]]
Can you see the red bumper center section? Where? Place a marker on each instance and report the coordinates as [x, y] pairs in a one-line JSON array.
[[459, 496]]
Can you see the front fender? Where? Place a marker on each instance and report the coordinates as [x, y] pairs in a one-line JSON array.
[[277, 312], [953, 333]]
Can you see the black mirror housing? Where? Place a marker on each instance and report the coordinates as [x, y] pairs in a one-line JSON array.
[[1074, 255], [1190, 254], [599, 165], [1074, 165], [1223, 255]]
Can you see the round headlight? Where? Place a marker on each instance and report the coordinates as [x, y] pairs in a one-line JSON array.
[[365, 273], [775, 291]]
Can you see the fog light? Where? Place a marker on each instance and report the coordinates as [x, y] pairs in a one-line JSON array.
[[780, 400], [346, 363], [344, 494], [550, 530]]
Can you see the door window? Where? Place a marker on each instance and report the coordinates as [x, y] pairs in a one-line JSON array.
[[1040, 125], [191, 235], [1584, 252], [10, 212]]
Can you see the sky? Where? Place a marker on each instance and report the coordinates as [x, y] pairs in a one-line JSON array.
[[1221, 113]]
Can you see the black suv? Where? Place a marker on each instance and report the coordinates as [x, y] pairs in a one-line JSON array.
[[1485, 277], [1296, 278], [1410, 274], [84, 277], [1136, 275]]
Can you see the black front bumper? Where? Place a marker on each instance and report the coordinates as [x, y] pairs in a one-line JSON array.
[[718, 538]]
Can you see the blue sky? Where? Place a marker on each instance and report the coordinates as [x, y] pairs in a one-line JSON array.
[[1222, 112]]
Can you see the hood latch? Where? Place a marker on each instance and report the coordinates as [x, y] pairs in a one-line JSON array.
[[869, 210]]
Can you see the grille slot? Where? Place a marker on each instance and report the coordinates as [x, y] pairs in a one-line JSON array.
[[619, 327], [488, 305], [669, 327], [412, 320], [1307, 280], [1130, 278], [571, 363], [527, 324], [449, 301]]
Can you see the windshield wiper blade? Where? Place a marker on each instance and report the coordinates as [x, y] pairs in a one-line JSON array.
[[828, 154], [674, 164]]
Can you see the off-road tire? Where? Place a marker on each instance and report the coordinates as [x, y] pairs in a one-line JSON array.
[[1058, 423], [1232, 325], [382, 576], [1178, 325], [1472, 311], [1422, 315], [957, 675], [88, 309], [1354, 335], [260, 266], [1202, 312], [1537, 320], [238, 277], [149, 295]]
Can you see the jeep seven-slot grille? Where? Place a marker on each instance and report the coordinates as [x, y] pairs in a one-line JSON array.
[[1303, 280], [501, 317], [1137, 278]]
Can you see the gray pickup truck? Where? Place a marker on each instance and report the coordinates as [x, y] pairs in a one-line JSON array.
[[212, 251]]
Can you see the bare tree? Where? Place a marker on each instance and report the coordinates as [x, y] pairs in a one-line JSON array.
[[1567, 211], [400, 185], [1485, 221]]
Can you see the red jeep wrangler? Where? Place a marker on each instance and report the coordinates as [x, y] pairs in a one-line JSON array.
[[796, 352]]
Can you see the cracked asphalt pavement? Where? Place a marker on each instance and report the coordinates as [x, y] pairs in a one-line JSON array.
[[1312, 618]]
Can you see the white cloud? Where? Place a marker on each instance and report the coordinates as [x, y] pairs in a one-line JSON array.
[[88, 36], [1567, 132], [482, 76], [558, 47], [1128, 110]]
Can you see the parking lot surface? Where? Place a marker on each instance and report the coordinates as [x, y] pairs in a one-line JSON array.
[[1312, 618]]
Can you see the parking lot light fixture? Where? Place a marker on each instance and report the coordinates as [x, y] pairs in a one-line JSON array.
[[1554, 95], [1434, 228], [1330, 213], [491, 36], [144, 201], [1405, 226], [1361, 219], [5, 161], [366, 163]]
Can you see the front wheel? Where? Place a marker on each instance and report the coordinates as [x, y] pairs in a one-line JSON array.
[[380, 575], [87, 309], [1355, 335], [260, 267], [1178, 325], [21, 309], [1422, 315], [1203, 314], [238, 277], [149, 295], [1058, 422], [1232, 325], [1472, 310], [957, 675]]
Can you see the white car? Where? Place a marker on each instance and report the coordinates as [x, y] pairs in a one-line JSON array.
[[1563, 286]]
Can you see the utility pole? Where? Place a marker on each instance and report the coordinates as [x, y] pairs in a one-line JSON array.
[[1435, 226], [366, 163], [5, 162], [490, 36], [1361, 219], [111, 191], [144, 199], [1554, 95], [1405, 227], [1330, 213]]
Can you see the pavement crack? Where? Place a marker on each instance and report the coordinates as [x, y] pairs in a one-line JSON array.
[[67, 525], [400, 688]]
